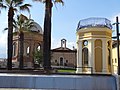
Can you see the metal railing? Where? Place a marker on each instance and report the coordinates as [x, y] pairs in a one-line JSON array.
[[86, 69], [94, 22]]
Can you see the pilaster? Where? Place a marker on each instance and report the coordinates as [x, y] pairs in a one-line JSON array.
[[91, 55], [105, 56], [79, 57]]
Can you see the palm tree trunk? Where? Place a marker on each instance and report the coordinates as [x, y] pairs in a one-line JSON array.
[[47, 36], [21, 50], [10, 37]]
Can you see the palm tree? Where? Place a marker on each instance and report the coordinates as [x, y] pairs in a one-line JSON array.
[[12, 5], [22, 24], [47, 33]]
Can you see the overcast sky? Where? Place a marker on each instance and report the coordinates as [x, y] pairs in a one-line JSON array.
[[64, 19]]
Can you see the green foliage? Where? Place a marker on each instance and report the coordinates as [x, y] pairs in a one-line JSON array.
[[23, 23], [12, 6], [55, 1], [16, 4], [66, 70], [38, 57]]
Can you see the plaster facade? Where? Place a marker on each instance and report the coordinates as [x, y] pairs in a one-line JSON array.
[[94, 48], [115, 57], [63, 56]]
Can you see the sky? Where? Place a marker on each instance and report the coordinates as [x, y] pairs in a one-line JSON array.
[[65, 19]]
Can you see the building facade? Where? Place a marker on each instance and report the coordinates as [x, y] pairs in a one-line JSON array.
[[94, 46], [63, 56], [96, 52], [33, 40], [115, 56]]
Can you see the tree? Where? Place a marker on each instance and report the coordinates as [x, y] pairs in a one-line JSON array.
[[22, 24], [38, 57], [47, 33], [12, 6]]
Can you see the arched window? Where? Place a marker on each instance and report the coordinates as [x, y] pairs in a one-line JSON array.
[[38, 48], [63, 43], [28, 50], [85, 56], [109, 58], [14, 49]]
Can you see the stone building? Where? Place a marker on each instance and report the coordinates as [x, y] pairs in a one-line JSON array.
[[94, 46], [63, 56], [33, 40], [115, 56]]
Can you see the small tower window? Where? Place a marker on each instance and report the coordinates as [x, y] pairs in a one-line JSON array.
[[63, 43]]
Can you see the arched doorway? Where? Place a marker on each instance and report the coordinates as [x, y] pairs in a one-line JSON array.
[[85, 56], [61, 61], [85, 59]]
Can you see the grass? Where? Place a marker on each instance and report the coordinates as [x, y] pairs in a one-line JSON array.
[[66, 70]]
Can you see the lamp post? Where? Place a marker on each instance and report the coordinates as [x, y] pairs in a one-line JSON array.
[[117, 32]]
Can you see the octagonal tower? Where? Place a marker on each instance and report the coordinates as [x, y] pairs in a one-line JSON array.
[[94, 46]]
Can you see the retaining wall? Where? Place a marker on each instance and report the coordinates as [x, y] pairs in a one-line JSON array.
[[58, 82]]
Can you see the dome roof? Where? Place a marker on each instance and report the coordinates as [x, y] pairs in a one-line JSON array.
[[94, 22], [36, 28]]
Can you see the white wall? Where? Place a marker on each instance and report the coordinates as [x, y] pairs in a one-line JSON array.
[[58, 82]]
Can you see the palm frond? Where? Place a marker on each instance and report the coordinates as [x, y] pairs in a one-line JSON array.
[[59, 1], [8, 1], [5, 29], [15, 9], [1, 0], [2, 6], [15, 27], [14, 22], [17, 1], [31, 20], [38, 0], [25, 7], [43, 1], [18, 4], [23, 23], [23, 17]]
